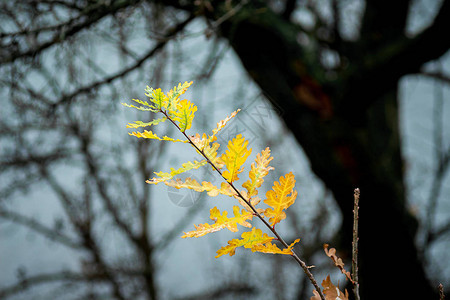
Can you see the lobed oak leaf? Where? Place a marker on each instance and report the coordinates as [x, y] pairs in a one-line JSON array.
[[200, 141], [249, 240], [259, 169], [210, 152], [159, 99], [221, 221], [192, 184], [138, 124], [184, 114], [273, 249], [179, 90], [142, 107], [207, 150], [210, 188], [164, 176], [189, 183], [337, 261], [221, 124], [280, 198], [330, 291], [253, 201], [147, 134], [234, 157]]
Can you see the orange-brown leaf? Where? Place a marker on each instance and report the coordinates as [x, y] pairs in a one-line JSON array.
[[337, 261], [330, 291]]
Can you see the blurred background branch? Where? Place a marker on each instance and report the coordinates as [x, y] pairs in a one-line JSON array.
[[324, 83]]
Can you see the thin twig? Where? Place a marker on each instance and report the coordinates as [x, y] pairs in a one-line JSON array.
[[441, 292], [302, 264], [355, 245]]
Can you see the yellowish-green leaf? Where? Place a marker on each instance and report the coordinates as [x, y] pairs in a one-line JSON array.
[[221, 221], [193, 184], [147, 134], [280, 198], [159, 99], [234, 157], [273, 249], [142, 107], [249, 239], [164, 176], [184, 114], [138, 124], [259, 169], [175, 93]]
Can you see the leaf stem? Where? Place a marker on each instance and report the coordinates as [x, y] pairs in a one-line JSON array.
[[302, 264]]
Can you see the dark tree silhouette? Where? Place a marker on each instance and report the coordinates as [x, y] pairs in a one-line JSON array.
[[338, 91]]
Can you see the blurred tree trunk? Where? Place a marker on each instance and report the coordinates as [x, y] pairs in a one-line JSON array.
[[348, 127], [344, 114]]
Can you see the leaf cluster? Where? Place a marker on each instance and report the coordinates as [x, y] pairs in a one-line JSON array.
[[229, 164]]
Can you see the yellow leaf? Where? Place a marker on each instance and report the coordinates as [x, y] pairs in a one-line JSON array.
[[249, 239], [148, 134], [221, 221], [163, 176], [272, 248], [234, 157], [280, 198], [184, 114], [259, 169]]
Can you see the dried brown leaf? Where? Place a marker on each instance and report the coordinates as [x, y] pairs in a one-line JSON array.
[[337, 261]]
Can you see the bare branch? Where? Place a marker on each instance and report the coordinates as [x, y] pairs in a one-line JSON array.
[[90, 15], [220, 292], [32, 281], [437, 75], [86, 89], [38, 227]]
